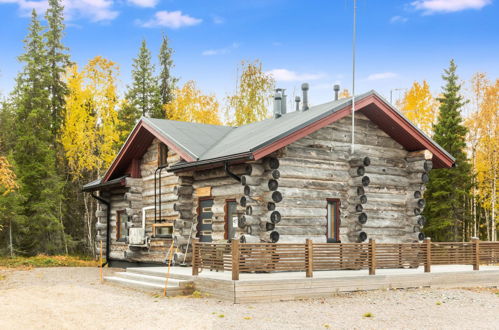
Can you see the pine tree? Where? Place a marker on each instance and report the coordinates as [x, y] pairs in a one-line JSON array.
[[448, 189], [142, 97], [166, 81], [33, 152], [57, 61]]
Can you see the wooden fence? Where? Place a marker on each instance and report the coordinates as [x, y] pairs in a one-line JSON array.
[[278, 257]]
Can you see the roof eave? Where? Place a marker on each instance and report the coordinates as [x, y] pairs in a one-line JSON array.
[[207, 163]]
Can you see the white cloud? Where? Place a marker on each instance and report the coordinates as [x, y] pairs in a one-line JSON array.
[[144, 3], [448, 6], [398, 19], [220, 51], [288, 75], [381, 75], [95, 10], [170, 19]]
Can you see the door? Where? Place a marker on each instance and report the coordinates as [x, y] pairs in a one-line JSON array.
[[204, 220], [333, 221]]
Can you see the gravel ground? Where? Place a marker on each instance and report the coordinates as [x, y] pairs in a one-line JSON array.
[[73, 298]]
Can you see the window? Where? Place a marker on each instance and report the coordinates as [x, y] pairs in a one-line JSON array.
[[162, 154], [333, 221], [121, 227], [231, 218], [163, 230]]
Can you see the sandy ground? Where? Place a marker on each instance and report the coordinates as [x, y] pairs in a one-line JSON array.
[[73, 298]]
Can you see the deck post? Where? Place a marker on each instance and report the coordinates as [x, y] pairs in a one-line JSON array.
[[235, 259], [476, 253], [309, 257], [427, 263], [372, 257], [195, 256]]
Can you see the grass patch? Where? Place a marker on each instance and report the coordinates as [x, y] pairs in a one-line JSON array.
[[42, 260], [438, 303], [221, 316], [247, 317], [368, 315], [2, 277]]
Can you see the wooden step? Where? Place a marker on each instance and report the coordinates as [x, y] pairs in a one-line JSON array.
[[157, 271], [151, 283]]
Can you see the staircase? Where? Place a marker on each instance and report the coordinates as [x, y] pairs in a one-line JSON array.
[[152, 279]]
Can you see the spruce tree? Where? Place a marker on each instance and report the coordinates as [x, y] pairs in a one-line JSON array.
[[57, 61], [448, 189], [142, 97], [33, 152], [166, 81]]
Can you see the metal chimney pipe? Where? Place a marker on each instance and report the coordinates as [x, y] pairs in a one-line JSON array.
[[283, 102], [336, 91], [304, 89], [297, 101], [277, 104]]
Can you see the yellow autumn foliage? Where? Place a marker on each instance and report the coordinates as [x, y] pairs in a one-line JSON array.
[[89, 135], [420, 107], [190, 105], [7, 177]]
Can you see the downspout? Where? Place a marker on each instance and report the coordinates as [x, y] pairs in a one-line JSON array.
[[229, 173], [156, 177], [108, 226]]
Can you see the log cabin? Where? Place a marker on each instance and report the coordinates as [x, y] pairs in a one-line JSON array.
[[284, 179]]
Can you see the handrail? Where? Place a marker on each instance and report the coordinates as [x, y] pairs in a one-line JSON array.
[[308, 256]]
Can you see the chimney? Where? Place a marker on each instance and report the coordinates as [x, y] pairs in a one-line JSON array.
[[304, 88], [336, 91], [297, 101], [277, 104], [283, 102]]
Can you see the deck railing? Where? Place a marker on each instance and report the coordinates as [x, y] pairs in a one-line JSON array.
[[309, 257]]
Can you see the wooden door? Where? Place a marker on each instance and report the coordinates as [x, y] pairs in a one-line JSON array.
[[205, 215]]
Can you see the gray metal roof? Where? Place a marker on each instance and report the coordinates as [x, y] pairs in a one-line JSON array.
[[253, 136], [194, 138]]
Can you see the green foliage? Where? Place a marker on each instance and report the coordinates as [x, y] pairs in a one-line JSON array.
[[167, 83], [143, 96], [33, 153], [57, 61], [448, 189]]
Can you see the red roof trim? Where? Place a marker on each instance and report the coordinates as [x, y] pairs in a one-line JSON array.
[[131, 139], [439, 157]]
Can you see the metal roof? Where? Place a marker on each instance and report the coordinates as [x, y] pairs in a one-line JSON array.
[[192, 137], [201, 144]]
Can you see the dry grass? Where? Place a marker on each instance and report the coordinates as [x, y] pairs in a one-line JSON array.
[[46, 261]]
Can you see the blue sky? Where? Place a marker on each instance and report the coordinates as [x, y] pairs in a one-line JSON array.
[[398, 41]]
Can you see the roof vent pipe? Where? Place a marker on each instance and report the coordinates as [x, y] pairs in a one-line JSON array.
[[283, 102], [304, 89], [336, 91], [297, 101], [277, 104]]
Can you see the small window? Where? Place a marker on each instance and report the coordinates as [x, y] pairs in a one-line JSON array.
[[162, 154], [231, 218], [121, 227], [163, 230], [333, 221]]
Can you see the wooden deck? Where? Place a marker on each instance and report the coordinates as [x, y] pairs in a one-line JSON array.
[[282, 286]]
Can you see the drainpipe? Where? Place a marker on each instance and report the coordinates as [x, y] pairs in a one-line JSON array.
[[229, 173], [158, 169], [108, 225]]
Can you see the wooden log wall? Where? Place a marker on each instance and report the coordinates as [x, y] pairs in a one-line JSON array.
[[374, 185]]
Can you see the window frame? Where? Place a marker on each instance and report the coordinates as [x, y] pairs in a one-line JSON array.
[[162, 154], [336, 219], [119, 220], [226, 216]]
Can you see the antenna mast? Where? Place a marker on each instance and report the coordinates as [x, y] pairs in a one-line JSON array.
[[353, 74]]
